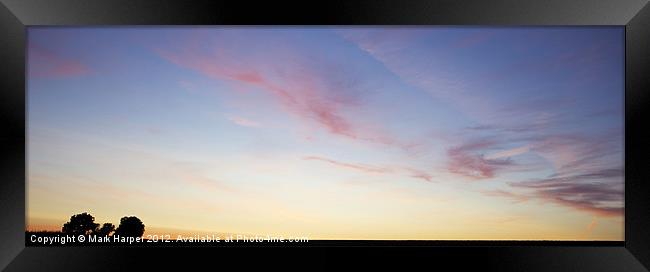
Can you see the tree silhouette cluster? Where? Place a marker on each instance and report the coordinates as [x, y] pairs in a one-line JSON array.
[[84, 224]]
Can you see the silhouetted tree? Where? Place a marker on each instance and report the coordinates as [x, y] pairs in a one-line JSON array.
[[82, 223], [105, 230], [130, 226]]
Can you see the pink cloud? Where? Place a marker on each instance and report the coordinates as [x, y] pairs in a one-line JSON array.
[[47, 64], [589, 207], [243, 121], [584, 177], [592, 225], [468, 160], [299, 94], [508, 153], [321, 95], [419, 174], [507, 194], [407, 171], [572, 153], [354, 166]]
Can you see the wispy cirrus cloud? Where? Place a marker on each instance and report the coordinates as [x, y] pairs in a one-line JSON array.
[[318, 92], [586, 171], [409, 172], [599, 192], [508, 153], [419, 174], [244, 122], [575, 153], [405, 56], [386, 109], [355, 166], [517, 198], [45, 63], [468, 159], [327, 96]]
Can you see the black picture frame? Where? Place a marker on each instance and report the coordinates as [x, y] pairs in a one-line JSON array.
[[632, 255]]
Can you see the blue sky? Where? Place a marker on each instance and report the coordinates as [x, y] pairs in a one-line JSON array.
[[415, 132]]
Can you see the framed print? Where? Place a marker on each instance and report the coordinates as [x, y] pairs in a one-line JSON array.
[[506, 133]]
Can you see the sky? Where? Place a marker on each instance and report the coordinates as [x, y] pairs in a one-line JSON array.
[[419, 133]]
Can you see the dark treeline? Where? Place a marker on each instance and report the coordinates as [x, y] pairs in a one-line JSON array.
[[84, 224]]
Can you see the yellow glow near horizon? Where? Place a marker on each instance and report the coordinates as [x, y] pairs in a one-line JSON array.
[[426, 133]]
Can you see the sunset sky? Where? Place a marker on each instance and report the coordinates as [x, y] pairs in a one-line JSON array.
[[330, 132]]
